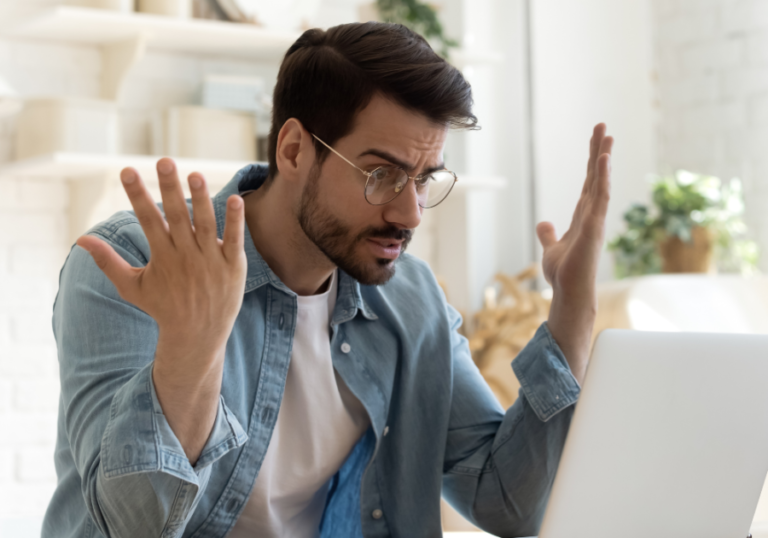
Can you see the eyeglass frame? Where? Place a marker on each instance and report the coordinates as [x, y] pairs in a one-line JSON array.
[[368, 176]]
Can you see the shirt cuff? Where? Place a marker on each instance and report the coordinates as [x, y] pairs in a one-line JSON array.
[[138, 437], [544, 375]]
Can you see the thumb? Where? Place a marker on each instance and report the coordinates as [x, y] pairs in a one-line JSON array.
[[117, 270], [546, 233]]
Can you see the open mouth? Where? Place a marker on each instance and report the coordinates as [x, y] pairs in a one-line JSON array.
[[385, 248]]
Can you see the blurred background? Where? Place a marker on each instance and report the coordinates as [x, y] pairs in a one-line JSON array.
[[90, 86]]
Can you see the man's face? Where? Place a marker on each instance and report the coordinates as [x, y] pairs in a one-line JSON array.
[[364, 240]]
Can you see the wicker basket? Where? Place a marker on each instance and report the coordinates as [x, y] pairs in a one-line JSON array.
[[680, 257]]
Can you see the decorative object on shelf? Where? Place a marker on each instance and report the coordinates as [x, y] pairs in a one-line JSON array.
[[10, 103], [172, 8], [697, 228], [126, 6], [235, 93], [206, 133], [208, 9], [283, 14], [502, 329], [67, 125], [247, 94], [420, 17]]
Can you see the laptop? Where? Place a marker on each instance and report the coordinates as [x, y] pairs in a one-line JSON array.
[[669, 439]]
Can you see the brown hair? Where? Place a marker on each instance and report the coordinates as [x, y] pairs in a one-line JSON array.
[[328, 76]]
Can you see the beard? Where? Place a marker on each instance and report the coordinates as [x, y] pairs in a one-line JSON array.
[[339, 243]]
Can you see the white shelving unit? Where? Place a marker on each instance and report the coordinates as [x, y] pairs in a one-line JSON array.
[[125, 37], [66, 166], [102, 27]]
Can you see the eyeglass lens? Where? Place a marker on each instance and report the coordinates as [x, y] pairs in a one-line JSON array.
[[385, 183]]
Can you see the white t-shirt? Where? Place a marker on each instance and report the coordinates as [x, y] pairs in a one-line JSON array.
[[318, 424]]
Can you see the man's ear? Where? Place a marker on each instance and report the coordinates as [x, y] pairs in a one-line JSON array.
[[295, 151]]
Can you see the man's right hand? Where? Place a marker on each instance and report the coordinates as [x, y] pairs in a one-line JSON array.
[[192, 287], [193, 284]]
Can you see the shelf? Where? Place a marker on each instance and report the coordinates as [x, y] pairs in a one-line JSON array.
[[81, 165], [104, 27]]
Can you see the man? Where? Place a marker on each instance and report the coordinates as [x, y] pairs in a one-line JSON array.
[[277, 366]]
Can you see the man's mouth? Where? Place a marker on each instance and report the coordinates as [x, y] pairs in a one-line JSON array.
[[385, 248]]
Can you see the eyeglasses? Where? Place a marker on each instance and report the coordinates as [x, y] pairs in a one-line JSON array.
[[384, 183]]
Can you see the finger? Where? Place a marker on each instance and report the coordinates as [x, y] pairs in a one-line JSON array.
[[204, 217], [606, 147], [150, 218], [602, 193], [116, 269], [546, 233], [594, 145], [174, 204], [233, 229]]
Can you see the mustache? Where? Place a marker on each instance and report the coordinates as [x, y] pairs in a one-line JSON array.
[[387, 232]]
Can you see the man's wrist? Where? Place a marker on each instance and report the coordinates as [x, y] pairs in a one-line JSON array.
[[187, 360], [571, 321]]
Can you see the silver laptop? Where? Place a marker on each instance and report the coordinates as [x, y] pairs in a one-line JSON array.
[[669, 439]]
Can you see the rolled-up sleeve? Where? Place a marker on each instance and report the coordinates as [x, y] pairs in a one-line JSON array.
[[544, 375], [500, 465], [135, 477]]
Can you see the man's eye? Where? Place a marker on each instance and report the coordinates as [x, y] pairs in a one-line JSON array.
[[383, 174]]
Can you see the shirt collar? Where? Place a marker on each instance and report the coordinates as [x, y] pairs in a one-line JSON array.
[[350, 298]]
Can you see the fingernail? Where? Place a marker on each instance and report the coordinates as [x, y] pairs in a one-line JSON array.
[[128, 177], [165, 167], [195, 182], [235, 202]]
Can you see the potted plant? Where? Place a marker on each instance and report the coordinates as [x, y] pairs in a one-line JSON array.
[[696, 227], [420, 17]]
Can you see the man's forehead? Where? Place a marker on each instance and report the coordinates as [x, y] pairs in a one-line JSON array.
[[383, 118], [385, 127]]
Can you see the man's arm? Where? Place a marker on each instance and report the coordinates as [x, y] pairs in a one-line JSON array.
[[192, 287], [136, 479], [570, 264], [499, 467], [141, 383]]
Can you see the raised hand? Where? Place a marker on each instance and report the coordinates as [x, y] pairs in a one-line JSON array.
[[192, 287], [570, 264], [193, 284]]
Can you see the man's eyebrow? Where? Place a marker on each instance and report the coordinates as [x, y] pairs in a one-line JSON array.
[[394, 160]]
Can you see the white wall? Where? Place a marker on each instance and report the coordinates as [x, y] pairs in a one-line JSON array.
[[712, 59], [592, 62]]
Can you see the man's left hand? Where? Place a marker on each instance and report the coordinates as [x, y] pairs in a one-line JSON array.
[[570, 264]]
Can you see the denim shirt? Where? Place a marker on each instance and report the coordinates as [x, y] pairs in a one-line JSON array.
[[436, 427]]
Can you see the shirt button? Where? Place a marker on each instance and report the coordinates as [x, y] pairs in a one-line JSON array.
[[282, 321], [377, 514], [386, 430], [346, 348]]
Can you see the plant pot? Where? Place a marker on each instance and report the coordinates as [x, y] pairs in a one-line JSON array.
[[677, 256]]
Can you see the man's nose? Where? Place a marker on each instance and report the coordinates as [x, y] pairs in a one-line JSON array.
[[404, 211]]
